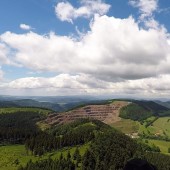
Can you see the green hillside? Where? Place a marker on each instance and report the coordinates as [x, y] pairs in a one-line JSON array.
[[135, 112], [165, 104], [85, 143], [109, 150], [16, 124], [14, 156], [141, 110], [42, 111], [72, 135]]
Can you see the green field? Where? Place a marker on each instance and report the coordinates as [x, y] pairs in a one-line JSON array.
[[160, 127], [10, 155], [163, 145], [17, 109], [127, 126], [163, 124]]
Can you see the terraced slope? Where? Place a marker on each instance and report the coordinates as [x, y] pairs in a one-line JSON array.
[[108, 113]]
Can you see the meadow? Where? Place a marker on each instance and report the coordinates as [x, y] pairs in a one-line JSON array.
[[126, 126], [163, 145], [24, 109], [159, 127], [12, 156]]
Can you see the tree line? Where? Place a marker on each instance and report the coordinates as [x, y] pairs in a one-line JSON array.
[[77, 133], [15, 127]]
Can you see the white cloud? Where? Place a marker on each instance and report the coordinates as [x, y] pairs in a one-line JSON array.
[[4, 51], [149, 87], [83, 84], [60, 84], [3, 54], [109, 51], [116, 56], [66, 12], [60, 81], [25, 27], [146, 7], [1, 74]]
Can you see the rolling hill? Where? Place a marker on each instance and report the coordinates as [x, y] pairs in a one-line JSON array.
[[107, 113], [110, 111], [57, 104], [43, 136]]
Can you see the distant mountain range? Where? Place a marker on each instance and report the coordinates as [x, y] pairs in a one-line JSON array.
[[166, 104], [58, 104]]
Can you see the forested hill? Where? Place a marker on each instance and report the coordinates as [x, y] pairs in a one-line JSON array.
[[110, 111], [152, 106], [31, 103], [140, 110], [166, 103], [16, 124], [57, 106], [108, 148], [107, 112]]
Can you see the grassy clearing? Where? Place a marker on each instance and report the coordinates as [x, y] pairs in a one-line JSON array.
[[9, 155], [148, 130], [161, 126], [56, 155], [163, 145], [127, 126], [42, 125], [17, 109]]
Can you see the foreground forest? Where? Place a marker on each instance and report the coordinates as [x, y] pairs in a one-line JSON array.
[[26, 143]]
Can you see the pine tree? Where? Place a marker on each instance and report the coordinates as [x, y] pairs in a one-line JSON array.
[[61, 156], [68, 155], [76, 153], [168, 150]]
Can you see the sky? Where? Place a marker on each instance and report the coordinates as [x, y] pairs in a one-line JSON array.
[[85, 47]]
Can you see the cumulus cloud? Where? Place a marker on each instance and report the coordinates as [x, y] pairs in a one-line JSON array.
[[149, 87], [66, 12], [109, 51], [116, 56], [61, 84], [4, 51], [25, 27], [1, 74], [61, 81], [82, 84]]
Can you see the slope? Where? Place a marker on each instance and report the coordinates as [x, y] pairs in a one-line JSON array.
[[107, 113]]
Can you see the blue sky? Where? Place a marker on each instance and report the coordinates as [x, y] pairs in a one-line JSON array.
[[78, 47], [41, 16]]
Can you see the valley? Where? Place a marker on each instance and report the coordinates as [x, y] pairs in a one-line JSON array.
[[46, 135]]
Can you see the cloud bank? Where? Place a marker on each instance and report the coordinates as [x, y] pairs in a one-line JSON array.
[[116, 56], [109, 51]]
